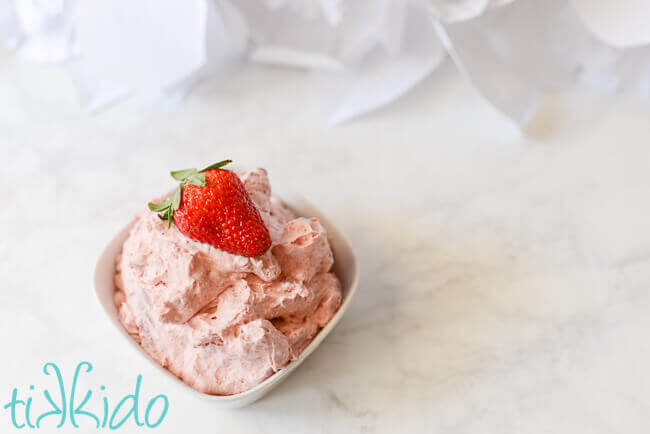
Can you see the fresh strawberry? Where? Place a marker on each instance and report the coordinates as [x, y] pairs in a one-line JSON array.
[[212, 206]]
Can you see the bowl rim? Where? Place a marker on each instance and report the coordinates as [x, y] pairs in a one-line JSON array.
[[113, 247]]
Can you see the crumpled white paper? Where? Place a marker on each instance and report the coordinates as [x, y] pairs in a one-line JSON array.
[[381, 76], [39, 30], [367, 52], [364, 53], [619, 24], [551, 52], [517, 53]]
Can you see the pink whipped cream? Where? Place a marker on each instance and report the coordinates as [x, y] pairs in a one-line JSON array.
[[223, 323]]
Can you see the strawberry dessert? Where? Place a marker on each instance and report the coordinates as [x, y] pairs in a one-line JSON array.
[[221, 283]]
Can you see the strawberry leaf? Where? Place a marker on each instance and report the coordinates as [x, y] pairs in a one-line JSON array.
[[181, 175], [166, 208], [217, 165], [195, 179], [176, 200], [157, 207]]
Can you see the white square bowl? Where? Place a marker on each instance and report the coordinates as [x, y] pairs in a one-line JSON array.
[[346, 267]]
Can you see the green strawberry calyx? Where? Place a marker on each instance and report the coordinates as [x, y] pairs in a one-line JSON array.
[[166, 208]]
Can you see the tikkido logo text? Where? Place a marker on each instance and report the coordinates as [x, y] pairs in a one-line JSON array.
[[65, 405]]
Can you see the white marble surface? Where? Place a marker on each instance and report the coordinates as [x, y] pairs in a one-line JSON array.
[[505, 279]]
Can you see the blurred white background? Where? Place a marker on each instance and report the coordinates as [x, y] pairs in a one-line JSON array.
[[364, 54]]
